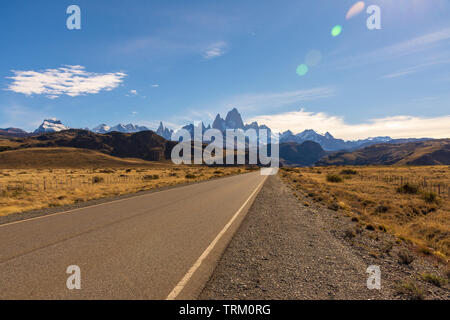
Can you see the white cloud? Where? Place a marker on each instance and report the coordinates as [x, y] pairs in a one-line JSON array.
[[215, 50], [68, 80], [418, 43], [424, 43], [395, 127], [133, 92], [155, 85], [414, 69]]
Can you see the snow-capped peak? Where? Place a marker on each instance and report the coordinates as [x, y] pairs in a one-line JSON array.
[[51, 125]]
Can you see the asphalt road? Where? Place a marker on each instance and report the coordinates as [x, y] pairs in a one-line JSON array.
[[155, 246]]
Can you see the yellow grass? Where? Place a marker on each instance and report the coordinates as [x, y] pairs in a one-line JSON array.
[[371, 195], [28, 189]]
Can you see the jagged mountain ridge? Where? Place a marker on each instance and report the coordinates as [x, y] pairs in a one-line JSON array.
[[51, 125], [127, 128], [164, 132]]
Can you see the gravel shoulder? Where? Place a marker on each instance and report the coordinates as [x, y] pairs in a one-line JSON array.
[[285, 250]]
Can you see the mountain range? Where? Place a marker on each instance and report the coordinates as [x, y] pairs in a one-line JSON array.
[[233, 120], [330, 143], [127, 128]]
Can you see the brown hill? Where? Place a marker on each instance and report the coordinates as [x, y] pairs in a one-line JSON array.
[[430, 152], [64, 158], [304, 154], [145, 145], [13, 132]]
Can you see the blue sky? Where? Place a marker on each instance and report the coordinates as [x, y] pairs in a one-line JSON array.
[[144, 61]]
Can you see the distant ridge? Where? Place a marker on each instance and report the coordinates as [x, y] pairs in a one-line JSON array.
[[127, 128], [430, 152], [330, 143], [13, 132], [145, 145]]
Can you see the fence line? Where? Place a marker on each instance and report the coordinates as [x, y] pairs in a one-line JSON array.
[[67, 182], [439, 188]]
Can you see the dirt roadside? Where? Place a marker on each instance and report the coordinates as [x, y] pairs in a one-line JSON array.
[[284, 250]]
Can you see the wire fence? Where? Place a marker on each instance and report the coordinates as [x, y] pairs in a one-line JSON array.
[[68, 182], [423, 183]]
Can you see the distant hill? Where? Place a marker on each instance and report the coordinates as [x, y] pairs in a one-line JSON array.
[[64, 158], [305, 154], [430, 152], [13, 132], [145, 145], [330, 143]]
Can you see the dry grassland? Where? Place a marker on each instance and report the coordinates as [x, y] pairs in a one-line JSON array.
[[401, 200], [28, 189]]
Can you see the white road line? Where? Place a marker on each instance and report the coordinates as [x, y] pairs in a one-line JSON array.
[[105, 203], [180, 286]]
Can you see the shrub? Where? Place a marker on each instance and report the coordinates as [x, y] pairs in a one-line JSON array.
[[97, 180], [447, 272], [370, 227], [190, 176], [425, 250], [434, 279], [405, 257], [333, 206], [429, 197], [151, 177], [408, 189], [349, 171], [381, 209], [411, 290], [334, 178], [349, 234], [107, 171]]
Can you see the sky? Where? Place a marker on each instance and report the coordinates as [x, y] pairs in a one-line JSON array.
[[277, 62]]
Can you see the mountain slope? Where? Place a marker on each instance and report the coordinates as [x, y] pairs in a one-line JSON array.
[[63, 158], [13, 132], [145, 145], [50, 125], [430, 152], [305, 154], [164, 132]]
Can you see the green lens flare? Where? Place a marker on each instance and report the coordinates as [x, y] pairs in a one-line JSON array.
[[336, 30], [302, 69]]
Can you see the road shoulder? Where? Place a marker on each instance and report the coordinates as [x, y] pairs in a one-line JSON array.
[[285, 250]]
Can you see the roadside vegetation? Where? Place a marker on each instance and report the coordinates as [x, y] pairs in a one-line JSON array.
[[29, 189], [386, 198]]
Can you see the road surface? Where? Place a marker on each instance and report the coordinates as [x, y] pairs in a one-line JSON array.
[[154, 246]]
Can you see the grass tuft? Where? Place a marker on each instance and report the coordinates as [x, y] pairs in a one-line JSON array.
[[334, 178]]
